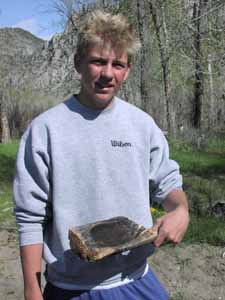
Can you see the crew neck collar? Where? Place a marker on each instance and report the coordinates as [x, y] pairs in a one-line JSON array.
[[87, 109]]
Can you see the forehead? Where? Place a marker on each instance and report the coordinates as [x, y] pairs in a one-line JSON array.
[[107, 52]]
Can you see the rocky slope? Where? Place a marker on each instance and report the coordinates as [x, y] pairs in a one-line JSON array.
[[45, 67], [15, 45], [16, 41]]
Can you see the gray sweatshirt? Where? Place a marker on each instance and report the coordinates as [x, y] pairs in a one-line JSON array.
[[76, 166]]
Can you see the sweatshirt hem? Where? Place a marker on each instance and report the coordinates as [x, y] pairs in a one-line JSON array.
[[106, 284]]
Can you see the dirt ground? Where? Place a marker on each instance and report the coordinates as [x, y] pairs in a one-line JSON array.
[[190, 272]]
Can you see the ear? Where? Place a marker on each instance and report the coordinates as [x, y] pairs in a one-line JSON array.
[[127, 72], [77, 63]]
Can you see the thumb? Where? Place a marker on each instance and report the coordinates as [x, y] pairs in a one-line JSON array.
[[160, 238]]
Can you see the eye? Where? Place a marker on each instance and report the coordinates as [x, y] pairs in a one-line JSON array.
[[97, 62], [119, 66]]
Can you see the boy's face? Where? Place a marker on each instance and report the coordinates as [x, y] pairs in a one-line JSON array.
[[102, 71]]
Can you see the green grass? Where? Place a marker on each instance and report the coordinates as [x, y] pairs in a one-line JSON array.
[[205, 163], [203, 173], [204, 177], [178, 295], [200, 163], [216, 145], [206, 230], [7, 163], [203, 193]]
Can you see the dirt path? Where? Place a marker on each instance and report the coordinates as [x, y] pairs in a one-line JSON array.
[[10, 272], [190, 272]]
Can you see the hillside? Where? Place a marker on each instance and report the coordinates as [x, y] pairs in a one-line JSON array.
[[27, 62], [16, 41], [15, 45]]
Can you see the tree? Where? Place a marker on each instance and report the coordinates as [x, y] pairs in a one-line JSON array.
[[157, 11], [197, 47], [190, 28], [203, 46], [70, 11], [66, 10], [4, 124]]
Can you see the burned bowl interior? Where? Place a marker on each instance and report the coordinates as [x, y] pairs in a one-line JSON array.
[[114, 233]]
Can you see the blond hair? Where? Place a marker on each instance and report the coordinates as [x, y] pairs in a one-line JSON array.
[[114, 31]]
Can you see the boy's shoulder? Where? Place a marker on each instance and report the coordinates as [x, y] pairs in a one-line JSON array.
[[135, 114], [133, 109], [53, 114]]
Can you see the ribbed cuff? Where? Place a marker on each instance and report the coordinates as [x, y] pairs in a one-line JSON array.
[[30, 238]]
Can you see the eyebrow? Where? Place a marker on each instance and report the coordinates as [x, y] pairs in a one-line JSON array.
[[97, 57], [104, 60]]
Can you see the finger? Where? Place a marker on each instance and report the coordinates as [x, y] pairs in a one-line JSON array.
[[175, 238], [158, 224], [162, 238]]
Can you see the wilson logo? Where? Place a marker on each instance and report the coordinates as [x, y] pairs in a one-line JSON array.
[[120, 144]]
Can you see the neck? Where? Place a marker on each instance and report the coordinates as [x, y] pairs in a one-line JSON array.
[[91, 103]]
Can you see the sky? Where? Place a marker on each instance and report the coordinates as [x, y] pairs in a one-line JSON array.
[[36, 16]]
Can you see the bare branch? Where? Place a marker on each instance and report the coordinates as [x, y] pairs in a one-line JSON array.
[[68, 10], [208, 12]]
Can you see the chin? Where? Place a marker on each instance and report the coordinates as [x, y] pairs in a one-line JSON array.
[[103, 101]]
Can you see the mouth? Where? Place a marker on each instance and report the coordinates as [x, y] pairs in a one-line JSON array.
[[104, 87]]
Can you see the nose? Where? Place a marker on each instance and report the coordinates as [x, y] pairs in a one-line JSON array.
[[107, 71]]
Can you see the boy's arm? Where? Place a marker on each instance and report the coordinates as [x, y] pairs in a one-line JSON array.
[[173, 225], [166, 189], [32, 199], [31, 256]]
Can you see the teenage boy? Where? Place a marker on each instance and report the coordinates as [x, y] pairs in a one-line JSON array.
[[91, 158]]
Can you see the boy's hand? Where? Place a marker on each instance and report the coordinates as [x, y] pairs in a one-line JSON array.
[[172, 226]]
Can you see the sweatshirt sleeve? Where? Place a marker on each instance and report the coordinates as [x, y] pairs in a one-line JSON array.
[[164, 172], [31, 187]]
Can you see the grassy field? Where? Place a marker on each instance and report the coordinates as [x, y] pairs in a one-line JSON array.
[[205, 163], [204, 172], [204, 181], [7, 163]]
